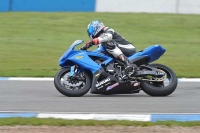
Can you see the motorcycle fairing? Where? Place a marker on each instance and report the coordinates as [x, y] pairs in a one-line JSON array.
[[102, 81], [82, 58], [153, 52], [63, 58]]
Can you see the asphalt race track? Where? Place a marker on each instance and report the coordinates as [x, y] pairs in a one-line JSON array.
[[41, 96]]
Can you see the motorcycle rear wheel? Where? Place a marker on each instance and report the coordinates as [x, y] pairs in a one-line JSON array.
[[158, 88]]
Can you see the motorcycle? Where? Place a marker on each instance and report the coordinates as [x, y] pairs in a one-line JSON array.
[[83, 70]]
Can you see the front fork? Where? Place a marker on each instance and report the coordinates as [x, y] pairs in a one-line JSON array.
[[72, 71], [75, 73]]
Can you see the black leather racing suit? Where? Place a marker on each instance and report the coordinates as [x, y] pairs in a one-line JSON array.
[[116, 45]]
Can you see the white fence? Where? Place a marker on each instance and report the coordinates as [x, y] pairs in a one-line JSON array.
[[149, 6]]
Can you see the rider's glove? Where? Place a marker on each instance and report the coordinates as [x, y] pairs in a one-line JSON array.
[[95, 41], [90, 43]]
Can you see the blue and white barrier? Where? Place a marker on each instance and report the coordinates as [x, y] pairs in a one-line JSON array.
[[24, 79], [85, 116], [141, 6]]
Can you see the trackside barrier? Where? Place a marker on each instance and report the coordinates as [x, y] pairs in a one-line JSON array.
[[88, 116], [48, 5], [141, 6]]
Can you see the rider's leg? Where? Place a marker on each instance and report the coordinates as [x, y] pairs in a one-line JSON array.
[[117, 53], [125, 60], [128, 50]]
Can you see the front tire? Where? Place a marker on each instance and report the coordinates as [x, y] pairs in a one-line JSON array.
[[158, 88], [66, 89]]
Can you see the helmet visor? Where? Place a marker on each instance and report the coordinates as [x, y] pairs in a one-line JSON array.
[[90, 31]]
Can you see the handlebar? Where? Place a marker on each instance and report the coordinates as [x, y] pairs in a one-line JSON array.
[[87, 46]]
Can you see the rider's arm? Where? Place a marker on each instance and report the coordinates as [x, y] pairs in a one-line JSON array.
[[107, 36]]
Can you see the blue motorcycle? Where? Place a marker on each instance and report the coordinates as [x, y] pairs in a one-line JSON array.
[[97, 71]]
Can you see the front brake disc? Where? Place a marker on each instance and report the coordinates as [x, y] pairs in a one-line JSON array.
[[67, 81]]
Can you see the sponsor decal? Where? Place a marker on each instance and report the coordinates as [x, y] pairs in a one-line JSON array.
[[107, 83], [136, 84], [100, 87], [102, 82], [97, 75], [112, 86], [79, 57]]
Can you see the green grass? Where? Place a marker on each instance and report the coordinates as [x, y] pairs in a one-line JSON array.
[[32, 43], [62, 122]]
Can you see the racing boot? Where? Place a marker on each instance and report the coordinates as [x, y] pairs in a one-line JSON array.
[[128, 66]]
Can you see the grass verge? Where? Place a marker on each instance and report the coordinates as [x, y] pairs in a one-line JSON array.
[[32, 43], [62, 122]]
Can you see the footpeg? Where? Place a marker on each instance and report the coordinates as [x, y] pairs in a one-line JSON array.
[[128, 69]]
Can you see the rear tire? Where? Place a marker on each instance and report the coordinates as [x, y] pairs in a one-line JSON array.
[[66, 91], [155, 90]]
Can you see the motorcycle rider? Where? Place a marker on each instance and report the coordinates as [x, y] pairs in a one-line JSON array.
[[113, 42]]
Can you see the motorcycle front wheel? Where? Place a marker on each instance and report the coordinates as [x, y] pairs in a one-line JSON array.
[[71, 87], [163, 88]]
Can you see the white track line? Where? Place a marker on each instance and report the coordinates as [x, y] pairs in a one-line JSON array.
[[129, 117]]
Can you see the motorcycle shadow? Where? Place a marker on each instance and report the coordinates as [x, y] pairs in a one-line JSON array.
[[115, 95], [126, 95]]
